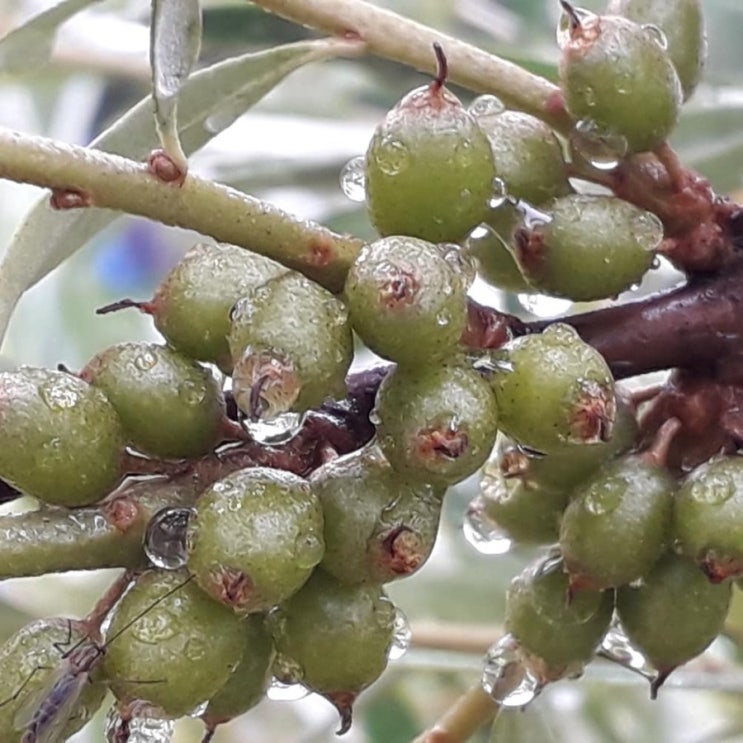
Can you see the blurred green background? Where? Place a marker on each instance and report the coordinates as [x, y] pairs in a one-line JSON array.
[[290, 149]]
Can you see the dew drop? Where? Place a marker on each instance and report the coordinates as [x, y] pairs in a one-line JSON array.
[[500, 194], [600, 147], [374, 418], [60, 393], [543, 306], [165, 538], [308, 550], [277, 430], [647, 230], [482, 532], [392, 157], [198, 710], [145, 360], [506, 678], [401, 636], [191, 393], [486, 105], [713, 489], [657, 34], [564, 25], [353, 179], [442, 319], [616, 647], [281, 692], [531, 216]]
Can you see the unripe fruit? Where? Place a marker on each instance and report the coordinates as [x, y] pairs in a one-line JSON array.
[[617, 524], [291, 344], [496, 263], [169, 405], [682, 24], [429, 168], [674, 614], [378, 526], [562, 634], [612, 69], [255, 537], [29, 661], [61, 440], [407, 298], [708, 517], [333, 639], [527, 154], [553, 391], [179, 653], [249, 681], [588, 247], [436, 424]]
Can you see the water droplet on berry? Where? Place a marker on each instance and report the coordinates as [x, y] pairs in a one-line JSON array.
[[165, 538], [530, 215], [647, 229], [482, 532], [617, 648], [401, 636], [139, 729], [601, 147], [657, 34], [191, 393], [353, 179], [276, 430], [486, 105], [392, 156], [500, 194], [543, 306], [713, 489], [145, 360], [564, 25], [506, 678], [60, 393], [281, 692]]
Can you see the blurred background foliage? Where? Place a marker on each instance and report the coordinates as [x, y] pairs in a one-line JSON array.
[[290, 149]]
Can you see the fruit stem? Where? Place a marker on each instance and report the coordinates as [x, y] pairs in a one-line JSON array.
[[473, 710], [442, 68], [657, 454]]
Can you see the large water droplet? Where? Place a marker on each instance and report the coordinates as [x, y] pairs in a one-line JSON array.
[[145, 360], [401, 635], [506, 678], [543, 306], [657, 34], [647, 230], [392, 157], [281, 692], [500, 194], [353, 179], [486, 105], [616, 647], [165, 538], [60, 393], [482, 532], [137, 729], [713, 489], [276, 430], [600, 147]]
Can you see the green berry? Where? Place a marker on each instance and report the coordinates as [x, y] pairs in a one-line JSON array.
[[436, 424], [168, 404], [674, 614], [407, 298], [617, 524], [29, 662], [611, 70], [588, 247], [334, 639], [61, 440], [378, 526], [255, 538], [179, 653], [708, 517], [248, 683], [496, 263], [429, 168], [562, 634], [291, 346], [553, 391], [682, 24]]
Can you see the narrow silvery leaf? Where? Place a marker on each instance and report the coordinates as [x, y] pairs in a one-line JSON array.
[[29, 47], [175, 40], [46, 237]]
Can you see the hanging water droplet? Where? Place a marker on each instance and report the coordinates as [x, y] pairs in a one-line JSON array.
[[165, 538], [276, 430], [602, 148], [482, 532], [486, 105], [616, 647], [401, 636], [374, 418], [566, 22], [506, 678], [657, 34], [199, 710], [281, 692], [137, 729], [543, 306], [500, 194], [530, 215], [353, 179], [647, 230]]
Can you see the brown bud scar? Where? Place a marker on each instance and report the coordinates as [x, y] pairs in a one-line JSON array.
[[592, 418], [121, 512], [403, 550], [321, 252], [718, 569], [165, 169], [69, 198], [449, 442], [514, 463], [232, 587], [400, 290]]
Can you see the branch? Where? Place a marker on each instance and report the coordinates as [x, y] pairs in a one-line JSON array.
[[395, 37], [114, 182]]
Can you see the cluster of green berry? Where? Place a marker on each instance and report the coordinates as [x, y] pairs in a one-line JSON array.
[[282, 576]]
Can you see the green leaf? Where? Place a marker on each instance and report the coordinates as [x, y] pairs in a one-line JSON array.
[[46, 237], [29, 47], [175, 40]]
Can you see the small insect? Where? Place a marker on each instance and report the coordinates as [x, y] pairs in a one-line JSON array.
[[44, 714]]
